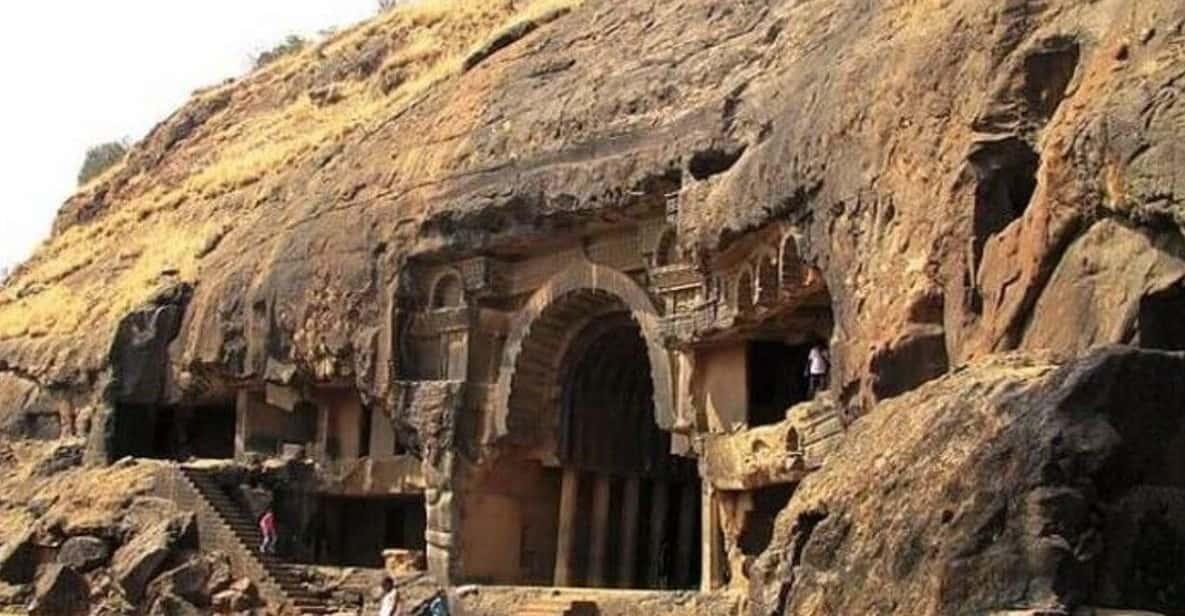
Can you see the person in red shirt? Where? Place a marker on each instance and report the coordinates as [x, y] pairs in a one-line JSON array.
[[267, 527]]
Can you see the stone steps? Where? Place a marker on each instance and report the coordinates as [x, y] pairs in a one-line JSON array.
[[285, 577]]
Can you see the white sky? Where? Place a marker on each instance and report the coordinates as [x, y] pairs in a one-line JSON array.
[[80, 72]]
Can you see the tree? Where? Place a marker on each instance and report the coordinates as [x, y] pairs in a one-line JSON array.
[[100, 158], [287, 47]]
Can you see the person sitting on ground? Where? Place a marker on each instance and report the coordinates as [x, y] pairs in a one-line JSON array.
[[267, 527], [818, 365], [389, 605]]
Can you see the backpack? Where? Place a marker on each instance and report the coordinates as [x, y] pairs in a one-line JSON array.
[[436, 605]]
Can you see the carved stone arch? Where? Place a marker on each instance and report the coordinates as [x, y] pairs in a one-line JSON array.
[[667, 251], [793, 272], [528, 357], [448, 290], [767, 277], [744, 290]]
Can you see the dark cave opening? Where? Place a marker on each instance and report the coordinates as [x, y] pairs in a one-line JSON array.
[[1006, 180], [760, 521], [1162, 320]]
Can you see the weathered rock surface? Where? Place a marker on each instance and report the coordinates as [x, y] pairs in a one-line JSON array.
[[966, 203], [971, 177], [137, 562], [1007, 485], [60, 591], [18, 563], [188, 581], [84, 553]]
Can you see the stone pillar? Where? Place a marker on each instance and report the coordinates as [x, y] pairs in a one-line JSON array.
[[658, 530], [688, 509], [242, 423], [566, 533], [599, 550], [629, 531], [711, 541], [321, 442]]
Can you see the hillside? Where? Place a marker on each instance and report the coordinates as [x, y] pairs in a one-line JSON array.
[[970, 178]]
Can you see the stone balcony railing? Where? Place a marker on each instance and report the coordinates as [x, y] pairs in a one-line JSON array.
[[783, 453]]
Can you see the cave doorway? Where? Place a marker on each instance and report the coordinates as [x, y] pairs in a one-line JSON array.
[[629, 510], [175, 432], [777, 379], [354, 531], [1162, 319]]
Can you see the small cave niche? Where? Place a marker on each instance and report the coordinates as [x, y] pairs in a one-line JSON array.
[[1047, 76], [1162, 319], [760, 521], [1006, 180], [713, 161]]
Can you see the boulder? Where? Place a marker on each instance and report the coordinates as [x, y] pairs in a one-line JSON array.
[[139, 560], [188, 582], [220, 573], [18, 563], [242, 595], [172, 605], [84, 553], [60, 591], [65, 455]]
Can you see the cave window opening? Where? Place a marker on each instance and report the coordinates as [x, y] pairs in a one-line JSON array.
[[1162, 320], [777, 380], [448, 292], [1006, 173], [667, 253], [744, 291]]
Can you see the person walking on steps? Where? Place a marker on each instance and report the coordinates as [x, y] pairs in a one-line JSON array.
[[267, 528], [818, 364]]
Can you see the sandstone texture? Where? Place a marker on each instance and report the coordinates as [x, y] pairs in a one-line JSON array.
[[1010, 484], [991, 192], [970, 173]]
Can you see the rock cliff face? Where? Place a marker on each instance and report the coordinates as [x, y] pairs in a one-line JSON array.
[[971, 177], [1007, 485], [969, 172]]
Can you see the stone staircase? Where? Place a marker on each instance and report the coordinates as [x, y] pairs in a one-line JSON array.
[[235, 531]]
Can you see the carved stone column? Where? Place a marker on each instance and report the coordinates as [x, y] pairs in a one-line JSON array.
[[566, 534], [629, 531], [599, 552]]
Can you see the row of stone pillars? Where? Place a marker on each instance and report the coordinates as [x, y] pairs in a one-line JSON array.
[[599, 517]]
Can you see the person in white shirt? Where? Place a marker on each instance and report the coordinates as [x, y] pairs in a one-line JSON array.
[[818, 365], [389, 605]]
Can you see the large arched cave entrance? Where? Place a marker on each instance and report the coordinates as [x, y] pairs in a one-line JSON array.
[[589, 494]]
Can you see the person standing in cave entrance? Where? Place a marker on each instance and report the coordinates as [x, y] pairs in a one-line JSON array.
[[267, 527], [818, 366]]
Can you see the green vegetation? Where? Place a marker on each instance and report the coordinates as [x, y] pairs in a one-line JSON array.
[[100, 158], [293, 44]]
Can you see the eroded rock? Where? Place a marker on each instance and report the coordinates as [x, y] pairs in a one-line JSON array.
[[138, 561], [84, 553], [1005, 485], [60, 591]]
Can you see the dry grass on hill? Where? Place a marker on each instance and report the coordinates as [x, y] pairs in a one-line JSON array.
[[163, 210]]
